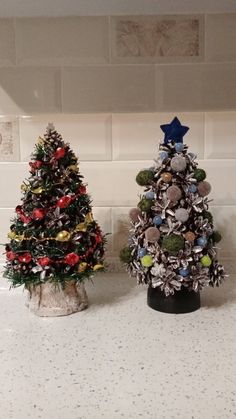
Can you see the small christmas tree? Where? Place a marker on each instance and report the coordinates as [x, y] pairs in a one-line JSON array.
[[54, 238], [173, 243]]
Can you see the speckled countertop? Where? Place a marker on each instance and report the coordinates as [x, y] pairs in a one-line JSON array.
[[119, 358]]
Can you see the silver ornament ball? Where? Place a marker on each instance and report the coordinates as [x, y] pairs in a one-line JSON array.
[[178, 164], [181, 214]]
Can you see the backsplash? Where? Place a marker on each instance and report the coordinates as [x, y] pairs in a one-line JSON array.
[[167, 63], [108, 83]]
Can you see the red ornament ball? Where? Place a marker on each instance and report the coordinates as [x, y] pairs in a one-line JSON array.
[[71, 259], [38, 214], [64, 201], [11, 255], [44, 261], [25, 258], [59, 153]]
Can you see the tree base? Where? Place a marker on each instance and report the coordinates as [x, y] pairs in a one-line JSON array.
[[51, 300], [182, 301]]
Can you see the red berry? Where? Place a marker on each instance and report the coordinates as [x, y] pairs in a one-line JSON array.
[[64, 201], [11, 255], [25, 258], [44, 261], [38, 214], [18, 209], [25, 219], [82, 189], [71, 259], [59, 153], [37, 164]]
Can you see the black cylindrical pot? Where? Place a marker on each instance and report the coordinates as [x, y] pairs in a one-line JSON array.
[[182, 301]]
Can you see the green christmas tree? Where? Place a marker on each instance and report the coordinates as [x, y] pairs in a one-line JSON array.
[[173, 243], [53, 236]]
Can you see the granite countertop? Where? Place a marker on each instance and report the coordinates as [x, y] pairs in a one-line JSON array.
[[119, 358]]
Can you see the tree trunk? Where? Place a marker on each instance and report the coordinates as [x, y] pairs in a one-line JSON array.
[[51, 300]]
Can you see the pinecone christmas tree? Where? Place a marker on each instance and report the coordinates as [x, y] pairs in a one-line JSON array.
[[172, 245], [53, 237]]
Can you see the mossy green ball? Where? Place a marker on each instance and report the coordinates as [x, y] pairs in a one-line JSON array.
[[144, 177], [173, 243], [216, 236], [125, 255], [206, 261], [145, 204], [147, 261], [208, 215], [199, 174]]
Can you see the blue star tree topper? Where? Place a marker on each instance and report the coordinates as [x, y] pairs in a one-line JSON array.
[[174, 131]]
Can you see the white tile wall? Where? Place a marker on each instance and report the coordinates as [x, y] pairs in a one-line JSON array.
[[221, 175], [29, 90], [88, 135], [220, 37], [108, 102], [220, 134], [136, 136], [62, 41], [106, 89], [196, 87], [7, 42]]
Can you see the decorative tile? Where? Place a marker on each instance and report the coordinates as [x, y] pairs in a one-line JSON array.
[[220, 131], [108, 88], [137, 136], [7, 42], [156, 38], [196, 87], [88, 135], [220, 37], [62, 41], [221, 175], [29, 90], [9, 138]]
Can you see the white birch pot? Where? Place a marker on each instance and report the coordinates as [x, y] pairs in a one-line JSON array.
[[51, 300]]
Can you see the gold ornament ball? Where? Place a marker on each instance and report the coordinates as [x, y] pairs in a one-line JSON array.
[[63, 236], [190, 236], [166, 177], [82, 266]]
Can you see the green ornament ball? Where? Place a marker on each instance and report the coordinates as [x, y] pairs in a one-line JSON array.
[[208, 215], [144, 177], [216, 237], [206, 261], [173, 243], [199, 174], [125, 255], [147, 261], [145, 204]]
